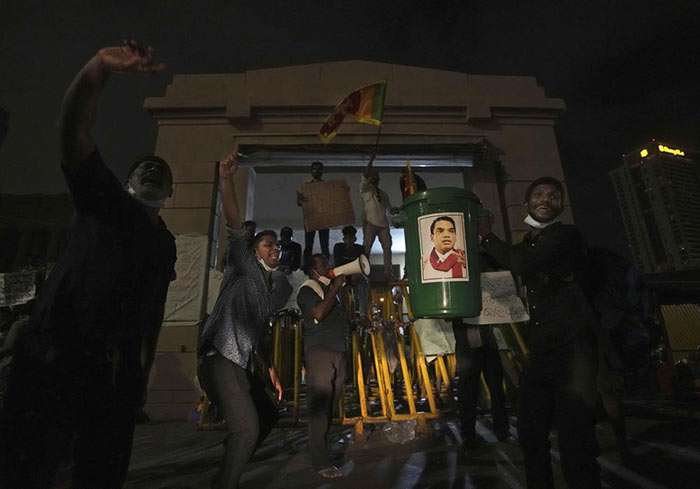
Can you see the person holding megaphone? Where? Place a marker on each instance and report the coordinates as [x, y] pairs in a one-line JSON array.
[[325, 324]]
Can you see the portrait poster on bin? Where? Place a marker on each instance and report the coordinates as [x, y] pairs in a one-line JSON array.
[[443, 248]]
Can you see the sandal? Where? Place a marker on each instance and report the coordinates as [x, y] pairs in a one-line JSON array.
[[331, 472]]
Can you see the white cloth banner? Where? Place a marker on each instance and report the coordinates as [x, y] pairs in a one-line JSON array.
[[215, 279], [186, 292], [499, 301], [17, 288], [436, 337]]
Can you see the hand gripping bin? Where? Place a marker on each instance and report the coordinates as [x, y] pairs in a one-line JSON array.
[[442, 252]]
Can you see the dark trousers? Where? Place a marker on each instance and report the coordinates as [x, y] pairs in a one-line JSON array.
[[560, 385], [47, 404], [325, 378], [250, 414], [612, 405], [309, 244], [471, 363]]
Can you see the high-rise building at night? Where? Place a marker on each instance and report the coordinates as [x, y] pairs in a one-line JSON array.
[[658, 189]]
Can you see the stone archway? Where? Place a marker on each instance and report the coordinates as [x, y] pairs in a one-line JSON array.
[[503, 125]]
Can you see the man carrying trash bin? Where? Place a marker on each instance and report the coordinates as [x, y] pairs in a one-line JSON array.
[[559, 381]]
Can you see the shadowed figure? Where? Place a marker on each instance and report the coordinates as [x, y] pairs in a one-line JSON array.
[[81, 365]]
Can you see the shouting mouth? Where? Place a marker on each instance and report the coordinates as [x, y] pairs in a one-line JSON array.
[[152, 178]]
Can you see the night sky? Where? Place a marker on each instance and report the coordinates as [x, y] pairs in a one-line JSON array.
[[628, 71]]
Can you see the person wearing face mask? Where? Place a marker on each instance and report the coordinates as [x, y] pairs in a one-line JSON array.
[[559, 380], [232, 348], [325, 324], [81, 366]]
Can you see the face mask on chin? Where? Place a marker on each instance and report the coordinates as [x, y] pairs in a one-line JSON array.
[[324, 280], [531, 221], [153, 204], [265, 266]]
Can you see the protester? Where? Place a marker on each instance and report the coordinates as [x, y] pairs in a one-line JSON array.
[[477, 353], [290, 257], [235, 333], [357, 286], [325, 326], [323, 234], [79, 370], [559, 381], [375, 205], [250, 227], [348, 250]]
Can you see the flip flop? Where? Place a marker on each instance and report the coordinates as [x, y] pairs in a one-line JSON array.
[[331, 472]]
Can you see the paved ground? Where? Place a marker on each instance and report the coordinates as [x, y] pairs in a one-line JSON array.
[[177, 456]]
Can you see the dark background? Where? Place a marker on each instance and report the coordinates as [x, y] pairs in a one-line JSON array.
[[628, 71]]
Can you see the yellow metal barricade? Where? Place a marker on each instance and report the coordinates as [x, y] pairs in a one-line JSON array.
[[376, 393]]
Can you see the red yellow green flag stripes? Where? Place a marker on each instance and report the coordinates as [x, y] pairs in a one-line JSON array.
[[365, 104]]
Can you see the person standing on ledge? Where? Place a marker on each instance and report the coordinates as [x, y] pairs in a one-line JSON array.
[[80, 369], [375, 206], [323, 234]]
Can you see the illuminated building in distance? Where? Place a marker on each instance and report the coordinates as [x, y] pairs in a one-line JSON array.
[[658, 190]]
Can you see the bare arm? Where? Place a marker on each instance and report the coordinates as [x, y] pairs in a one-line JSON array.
[[81, 99], [228, 168], [368, 169], [321, 310]]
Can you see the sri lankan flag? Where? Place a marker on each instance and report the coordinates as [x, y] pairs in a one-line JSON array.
[[365, 104]]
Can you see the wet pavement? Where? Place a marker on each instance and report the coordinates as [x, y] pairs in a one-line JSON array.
[[174, 455]]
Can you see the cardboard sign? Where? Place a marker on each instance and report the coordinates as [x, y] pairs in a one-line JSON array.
[[17, 288], [326, 205], [499, 301]]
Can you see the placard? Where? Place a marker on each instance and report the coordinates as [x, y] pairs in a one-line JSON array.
[[499, 300], [326, 205], [436, 337], [17, 288]]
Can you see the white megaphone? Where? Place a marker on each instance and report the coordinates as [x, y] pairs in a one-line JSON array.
[[359, 265]]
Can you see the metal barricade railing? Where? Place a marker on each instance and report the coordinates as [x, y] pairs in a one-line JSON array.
[[376, 391]]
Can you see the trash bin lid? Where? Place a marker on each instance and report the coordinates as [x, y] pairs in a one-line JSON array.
[[440, 195]]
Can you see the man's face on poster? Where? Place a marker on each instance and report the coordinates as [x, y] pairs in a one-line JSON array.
[[444, 236]]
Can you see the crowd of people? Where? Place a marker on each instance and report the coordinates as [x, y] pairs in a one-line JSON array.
[[80, 367]]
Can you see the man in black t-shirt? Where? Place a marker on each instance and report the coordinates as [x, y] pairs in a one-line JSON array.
[[81, 367], [357, 286], [324, 330], [290, 251], [348, 250]]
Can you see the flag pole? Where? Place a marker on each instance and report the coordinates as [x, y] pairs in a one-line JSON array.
[[376, 146]]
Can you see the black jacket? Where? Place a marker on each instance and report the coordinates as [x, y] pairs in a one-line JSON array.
[[549, 265]]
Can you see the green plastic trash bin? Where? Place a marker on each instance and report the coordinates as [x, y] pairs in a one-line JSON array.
[[442, 252]]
